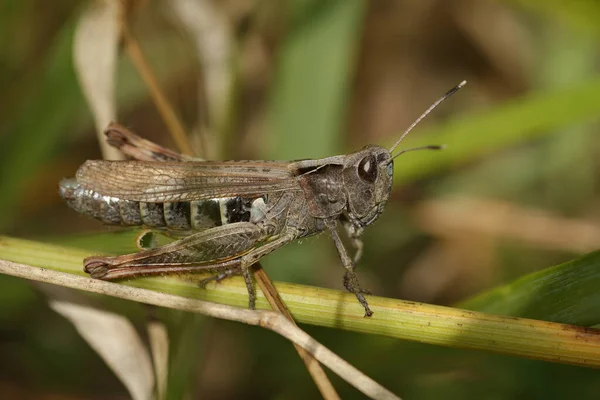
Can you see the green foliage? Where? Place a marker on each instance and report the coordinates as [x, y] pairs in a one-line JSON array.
[[567, 293]]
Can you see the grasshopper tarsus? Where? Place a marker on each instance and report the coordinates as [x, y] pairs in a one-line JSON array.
[[363, 301], [353, 286]]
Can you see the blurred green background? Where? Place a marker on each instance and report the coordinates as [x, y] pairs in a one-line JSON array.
[[515, 191]]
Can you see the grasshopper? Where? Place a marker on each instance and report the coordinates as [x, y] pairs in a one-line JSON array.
[[227, 215]]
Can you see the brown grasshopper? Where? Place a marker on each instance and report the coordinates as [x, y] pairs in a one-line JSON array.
[[230, 214]]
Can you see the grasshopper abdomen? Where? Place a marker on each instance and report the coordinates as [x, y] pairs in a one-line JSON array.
[[177, 216]]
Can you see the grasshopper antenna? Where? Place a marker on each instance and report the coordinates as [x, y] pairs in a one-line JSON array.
[[428, 147], [430, 109]]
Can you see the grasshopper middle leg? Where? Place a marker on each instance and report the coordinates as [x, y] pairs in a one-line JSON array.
[[252, 257], [243, 264]]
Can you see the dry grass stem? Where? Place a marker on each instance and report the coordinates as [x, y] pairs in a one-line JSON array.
[[276, 302], [163, 106], [159, 345], [494, 218], [266, 319], [406, 320]]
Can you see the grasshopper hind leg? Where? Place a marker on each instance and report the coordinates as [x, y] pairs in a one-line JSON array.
[[138, 148], [230, 248], [228, 273], [214, 249]]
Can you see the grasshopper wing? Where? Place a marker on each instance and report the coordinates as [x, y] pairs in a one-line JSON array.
[[185, 181]]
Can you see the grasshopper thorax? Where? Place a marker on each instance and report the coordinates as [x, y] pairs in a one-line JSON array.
[[368, 177]]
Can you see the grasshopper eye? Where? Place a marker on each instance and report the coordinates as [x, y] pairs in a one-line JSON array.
[[390, 169], [367, 169]]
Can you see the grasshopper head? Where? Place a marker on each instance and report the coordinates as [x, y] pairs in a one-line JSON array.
[[368, 177], [368, 173]]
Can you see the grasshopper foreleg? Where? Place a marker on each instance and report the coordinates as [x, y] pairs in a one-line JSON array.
[[350, 278], [354, 234]]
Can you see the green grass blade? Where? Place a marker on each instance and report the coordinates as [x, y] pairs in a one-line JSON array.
[[567, 293], [580, 15], [395, 318], [314, 72]]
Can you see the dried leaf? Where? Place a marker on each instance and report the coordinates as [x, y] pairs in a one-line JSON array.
[[115, 339], [159, 344], [213, 37], [95, 51]]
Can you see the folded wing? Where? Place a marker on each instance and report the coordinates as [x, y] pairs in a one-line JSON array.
[[184, 181]]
